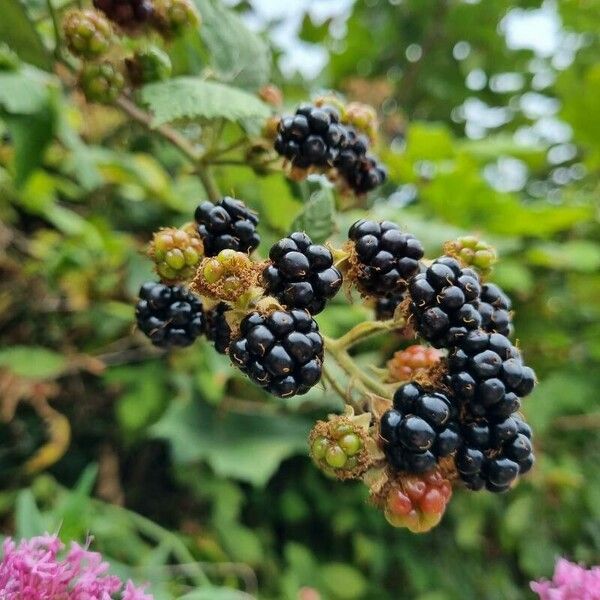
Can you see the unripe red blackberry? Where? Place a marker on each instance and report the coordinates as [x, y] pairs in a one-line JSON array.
[[169, 315], [101, 82], [282, 352], [416, 502], [487, 375], [338, 447], [148, 65], [174, 16], [383, 258], [301, 274], [227, 225], [444, 299], [176, 253], [419, 430], [217, 328], [87, 33], [312, 137], [407, 364], [127, 13], [493, 454]]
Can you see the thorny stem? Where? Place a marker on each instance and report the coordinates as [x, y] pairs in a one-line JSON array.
[[363, 331]]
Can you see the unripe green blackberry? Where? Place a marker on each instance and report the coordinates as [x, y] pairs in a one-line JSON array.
[[148, 65], [176, 253], [174, 16], [472, 252], [87, 33], [101, 82], [338, 448]]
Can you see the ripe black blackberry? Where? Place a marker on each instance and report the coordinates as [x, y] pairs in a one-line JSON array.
[[488, 376], [494, 454], [419, 430], [216, 327], [126, 12], [301, 274], [494, 307], [360, 170], [444, 299], [227, 225], [386, 306], [385, 257], [312, 137], [282, 352], [169, 315]]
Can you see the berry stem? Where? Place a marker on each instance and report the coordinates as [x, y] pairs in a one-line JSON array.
[[363, 331], [56, 28]]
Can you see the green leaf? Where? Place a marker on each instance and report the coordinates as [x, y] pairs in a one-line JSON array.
[[313, 33], [354, 583], [20, 34], [249, 447], [193, 98], [32, 362], [214, 593], [24, 92], [576, 255], [239, 56], [29, 522], [317, 218]]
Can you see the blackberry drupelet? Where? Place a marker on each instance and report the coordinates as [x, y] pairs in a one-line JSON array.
[[228, 224], [494, 454], [217, 328], [386, 306], [126, 12], [361, 171], [169, 315], [419, 430], [385, 257], [494, 308], [282, 352], [301, 274], [312, 137], [488, 376], [444, 302]]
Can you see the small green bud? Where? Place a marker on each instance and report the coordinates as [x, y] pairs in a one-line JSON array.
[[335, 457]]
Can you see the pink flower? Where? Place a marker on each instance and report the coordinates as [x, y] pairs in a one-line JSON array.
[[39, 569], [570, 582]]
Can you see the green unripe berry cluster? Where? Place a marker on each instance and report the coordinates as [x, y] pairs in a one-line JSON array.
[[338, 450], [101, 82], [176, 253], [175, 16], [87, 33], [148, 65], [473, 252]]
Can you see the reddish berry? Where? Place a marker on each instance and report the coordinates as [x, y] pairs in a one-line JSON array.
[[416, 359]]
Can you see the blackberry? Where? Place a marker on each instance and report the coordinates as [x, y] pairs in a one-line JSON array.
[[227, 225], [494, 454], [444, 302], [87, 33], [384, 257], [411, 362], [173, 17], [282, 352], [312, 137], [385, 307], [148, 65], [361, 172], [126, 12], [488, 376], [301, 274], [494, 308], [169, 315], [101, 82], [217, 328], [419, 430]]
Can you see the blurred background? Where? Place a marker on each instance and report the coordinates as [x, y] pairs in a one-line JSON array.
[[490, 124]]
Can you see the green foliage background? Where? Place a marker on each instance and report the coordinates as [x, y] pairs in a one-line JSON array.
[[174, 458]]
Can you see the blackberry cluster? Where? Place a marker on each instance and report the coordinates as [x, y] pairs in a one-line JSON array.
[[227, 225], [488, 376], [169, 315], [494, 454], [217, 328], [386, 306], [444, 302], [494, 307], [312, 137], [126, 12], [361, 171], [282, 352], [386, 258], [301, 274], [419, 430]]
